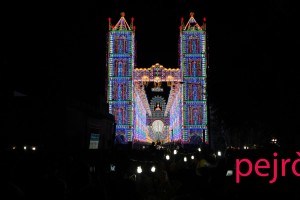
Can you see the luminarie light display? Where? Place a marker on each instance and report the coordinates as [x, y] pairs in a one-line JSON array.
[[183, 118]]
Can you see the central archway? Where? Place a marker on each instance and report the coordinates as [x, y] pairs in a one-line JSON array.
[[158, 129], [157, 94]]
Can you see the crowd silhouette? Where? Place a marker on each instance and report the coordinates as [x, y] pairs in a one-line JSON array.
[[84, 175]]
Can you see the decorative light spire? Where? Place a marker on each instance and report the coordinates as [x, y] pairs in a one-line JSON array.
[[192, 23], [122, 24], [182, 24], [109, 24], [204, 24], [131, 24]]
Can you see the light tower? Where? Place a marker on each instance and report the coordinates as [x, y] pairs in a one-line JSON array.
[[120, 64], [193, 64]]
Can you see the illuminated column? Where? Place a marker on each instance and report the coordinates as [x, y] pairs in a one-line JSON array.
[[120, 64], [193, 63], [140, 122]]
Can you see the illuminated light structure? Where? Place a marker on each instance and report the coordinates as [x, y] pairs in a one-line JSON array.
[[193, 63], [174, 107], [184, 117], [159, 121], [140, 112], [120, 63]]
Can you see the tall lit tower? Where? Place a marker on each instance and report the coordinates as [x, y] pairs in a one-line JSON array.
[[193, 64], [120, 65]]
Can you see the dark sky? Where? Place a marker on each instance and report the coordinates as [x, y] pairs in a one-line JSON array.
[[59, 48]]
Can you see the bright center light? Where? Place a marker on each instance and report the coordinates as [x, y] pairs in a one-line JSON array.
[[219, 153], [185, 159], [192, 157], [199, 149], [158, 126]]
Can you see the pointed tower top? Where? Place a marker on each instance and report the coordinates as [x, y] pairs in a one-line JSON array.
[[122, 24], [192, 24]]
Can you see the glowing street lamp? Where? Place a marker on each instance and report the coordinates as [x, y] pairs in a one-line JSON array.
[[175, 151], [274, 140], [139, 169], [167, 157], [153, 169]]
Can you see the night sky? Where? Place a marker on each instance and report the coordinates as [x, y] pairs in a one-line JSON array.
[[57, 49]]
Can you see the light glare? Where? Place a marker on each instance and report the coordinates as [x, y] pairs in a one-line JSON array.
[[153, 169], [139, 169]]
